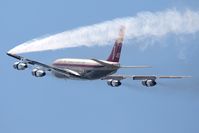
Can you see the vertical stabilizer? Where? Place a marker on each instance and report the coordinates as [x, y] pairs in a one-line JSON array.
[[116, 51]]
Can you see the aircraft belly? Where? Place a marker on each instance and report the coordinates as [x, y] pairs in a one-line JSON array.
[[97, 74], [87, 73]]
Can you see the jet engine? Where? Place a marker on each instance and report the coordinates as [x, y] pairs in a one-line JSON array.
[[38, 72], [114, 83], [149, 83], [20, 65]]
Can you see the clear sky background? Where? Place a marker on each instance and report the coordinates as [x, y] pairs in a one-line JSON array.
[[48, 105]]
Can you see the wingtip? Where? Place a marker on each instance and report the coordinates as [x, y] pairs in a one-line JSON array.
[[8, 53], [187, 77], [11, 54]]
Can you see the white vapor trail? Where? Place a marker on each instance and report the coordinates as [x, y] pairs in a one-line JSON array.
[[144, 24]]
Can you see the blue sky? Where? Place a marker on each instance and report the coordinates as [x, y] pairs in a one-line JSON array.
[[29, 104]]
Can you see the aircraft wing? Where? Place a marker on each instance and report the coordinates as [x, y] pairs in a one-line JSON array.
[[146, 80], [45, 67], [142, 77]]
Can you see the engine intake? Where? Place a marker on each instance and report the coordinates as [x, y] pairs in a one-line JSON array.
[[114, 83], [38, 72], [149, 83], [20, 65]]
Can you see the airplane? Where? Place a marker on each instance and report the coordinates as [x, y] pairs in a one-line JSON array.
[[90, 69]]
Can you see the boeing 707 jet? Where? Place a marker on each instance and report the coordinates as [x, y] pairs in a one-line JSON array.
[[89, 69]]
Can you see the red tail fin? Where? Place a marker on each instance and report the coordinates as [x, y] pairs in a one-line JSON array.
[[115, 54]]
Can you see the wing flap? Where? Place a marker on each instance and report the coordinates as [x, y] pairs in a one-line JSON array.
[[115, 77], [144, 77]]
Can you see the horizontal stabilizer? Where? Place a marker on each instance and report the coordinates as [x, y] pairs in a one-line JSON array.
[[135, 67], [105, 63]]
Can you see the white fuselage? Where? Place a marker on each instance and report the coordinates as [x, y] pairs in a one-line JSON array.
[[87, 68]]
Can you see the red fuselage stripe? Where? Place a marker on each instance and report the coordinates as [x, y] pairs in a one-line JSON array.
[[75, 65]]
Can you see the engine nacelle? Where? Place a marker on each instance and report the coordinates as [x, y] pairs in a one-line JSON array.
[[114, 83], [149, 83], [20, 65], [38, 72]]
